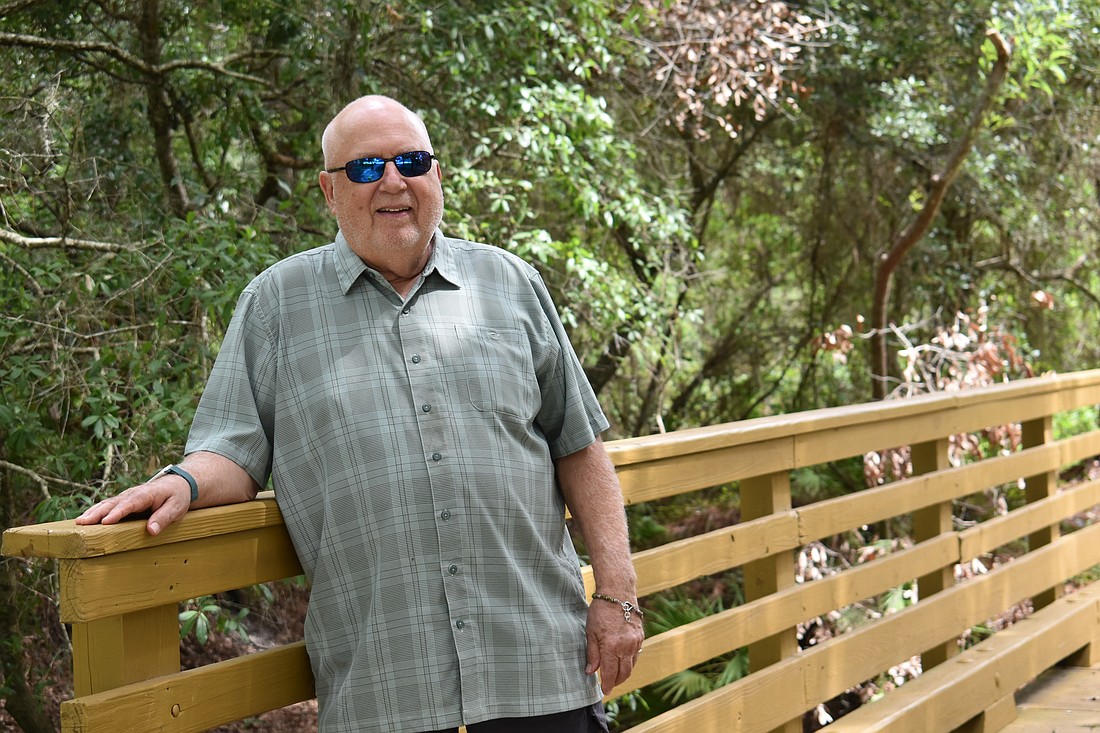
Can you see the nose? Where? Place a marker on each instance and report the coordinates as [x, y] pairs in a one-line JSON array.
[[391, 178]]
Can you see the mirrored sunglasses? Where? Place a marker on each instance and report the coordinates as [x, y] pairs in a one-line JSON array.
[[368, 170]]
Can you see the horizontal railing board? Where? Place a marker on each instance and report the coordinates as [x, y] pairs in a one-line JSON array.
[[679, 475], [680, 561], [729, 630], [952, 693], [104, 586], [1000, 531], [760, 702], [649, 471], [822, 672], [198, 699], [860, 438], [829, 517]]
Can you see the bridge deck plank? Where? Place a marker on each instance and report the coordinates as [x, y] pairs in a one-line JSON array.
[[1064, 699]]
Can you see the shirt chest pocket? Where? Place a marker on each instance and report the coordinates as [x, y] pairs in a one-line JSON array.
[[498, 372]]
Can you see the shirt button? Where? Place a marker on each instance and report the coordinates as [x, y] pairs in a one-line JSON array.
[[460, 625], [416, 358], [453, 570], [405, 311], [426, 408], [437, 456], [445, 514]]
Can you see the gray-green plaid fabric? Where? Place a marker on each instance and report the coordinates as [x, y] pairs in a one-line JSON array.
[[411, 449]]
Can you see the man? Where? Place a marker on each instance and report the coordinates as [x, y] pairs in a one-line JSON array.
[[424, 421]]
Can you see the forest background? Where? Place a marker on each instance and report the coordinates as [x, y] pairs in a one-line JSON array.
[[742, 208]]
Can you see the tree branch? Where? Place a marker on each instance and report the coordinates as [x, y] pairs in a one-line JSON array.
[[17, 6], [1066, 274], [43, 487], [130, 60], [917, 228], [63, 243]]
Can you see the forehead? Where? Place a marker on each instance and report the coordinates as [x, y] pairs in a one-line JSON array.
[[374, 130]]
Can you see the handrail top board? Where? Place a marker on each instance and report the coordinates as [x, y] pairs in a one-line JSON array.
[[68, 540], [629, 451]]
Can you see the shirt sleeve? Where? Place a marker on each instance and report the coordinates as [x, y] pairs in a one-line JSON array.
[[235, 416], [570, 416]]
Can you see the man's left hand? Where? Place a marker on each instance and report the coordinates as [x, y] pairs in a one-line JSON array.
[[613, 643]]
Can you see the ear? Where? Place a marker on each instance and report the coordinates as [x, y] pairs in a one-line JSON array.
[[325, 180]]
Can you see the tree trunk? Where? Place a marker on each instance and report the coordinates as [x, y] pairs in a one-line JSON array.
[[21, 702], [908, 238], [158, 108]]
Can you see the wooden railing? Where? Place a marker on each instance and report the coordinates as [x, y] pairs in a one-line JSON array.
[[120, 588]]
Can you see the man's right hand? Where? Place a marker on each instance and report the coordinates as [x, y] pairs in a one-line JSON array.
[[167, 496]]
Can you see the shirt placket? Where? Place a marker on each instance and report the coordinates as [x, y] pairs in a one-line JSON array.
[[425, 370]]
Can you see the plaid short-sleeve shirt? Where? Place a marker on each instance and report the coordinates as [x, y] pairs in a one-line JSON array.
[[411, 446]]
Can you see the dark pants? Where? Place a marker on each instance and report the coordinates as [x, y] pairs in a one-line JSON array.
[[584, 720]]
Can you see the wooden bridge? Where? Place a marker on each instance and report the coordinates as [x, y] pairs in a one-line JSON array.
[[120, 588]]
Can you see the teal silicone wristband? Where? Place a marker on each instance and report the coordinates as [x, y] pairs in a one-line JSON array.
[[186, 477]]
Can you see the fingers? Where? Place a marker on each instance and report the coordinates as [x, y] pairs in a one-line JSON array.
[[164, 516], [616, 670], [613, 669], [609, 676], [593, 652], [108, 511], [613, 646], [614, 673], [165, 500]]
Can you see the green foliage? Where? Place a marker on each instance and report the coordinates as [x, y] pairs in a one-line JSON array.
[[712, 255], [203, 615], [670, 612], [1075, 422], [645, 529], [898, 598], [1041, 34]]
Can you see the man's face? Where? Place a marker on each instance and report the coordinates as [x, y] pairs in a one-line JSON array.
[[389, 222]]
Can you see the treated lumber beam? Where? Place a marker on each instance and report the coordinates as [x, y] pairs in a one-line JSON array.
[[197, 699], [109, 585], [821, 672], [727, 631], [999, 531], [953, 693], [938, 414], [66, 539]]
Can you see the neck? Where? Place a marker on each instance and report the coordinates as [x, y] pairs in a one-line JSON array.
[[404, 284]]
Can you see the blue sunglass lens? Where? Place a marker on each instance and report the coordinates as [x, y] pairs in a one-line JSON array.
[[416, 163], [365, 170], [409, 165]]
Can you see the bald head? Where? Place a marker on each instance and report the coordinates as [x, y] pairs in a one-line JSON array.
[[388, 222], [360, 116]]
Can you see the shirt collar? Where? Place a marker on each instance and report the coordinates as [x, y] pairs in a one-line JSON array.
[[349, 267], [443, 261]]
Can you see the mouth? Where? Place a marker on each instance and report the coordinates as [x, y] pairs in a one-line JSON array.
[[391, 210]]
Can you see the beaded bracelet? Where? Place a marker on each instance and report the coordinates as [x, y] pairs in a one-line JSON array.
[[627, 606]]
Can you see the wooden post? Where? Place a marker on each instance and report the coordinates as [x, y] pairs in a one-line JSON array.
[[993, 719], [928, 523], [1034, 433], [115, 651], [763, 496]]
